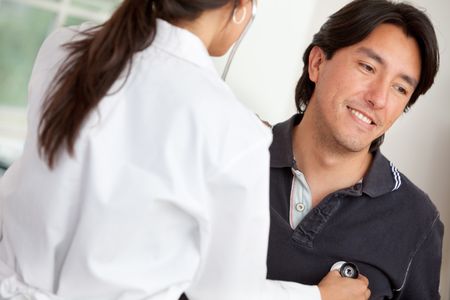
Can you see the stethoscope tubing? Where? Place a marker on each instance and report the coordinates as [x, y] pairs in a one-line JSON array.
[[239, 40]]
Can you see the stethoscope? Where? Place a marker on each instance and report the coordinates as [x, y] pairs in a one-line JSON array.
[[346, 269], [239, 40]]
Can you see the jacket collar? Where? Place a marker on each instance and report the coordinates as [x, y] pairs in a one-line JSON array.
[[381, 178]]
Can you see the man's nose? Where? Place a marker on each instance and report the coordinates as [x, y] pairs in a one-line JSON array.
[[378, 93]]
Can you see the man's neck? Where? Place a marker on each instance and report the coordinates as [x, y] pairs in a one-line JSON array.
[[326, 169]]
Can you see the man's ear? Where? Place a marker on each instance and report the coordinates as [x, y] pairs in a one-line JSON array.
[[316, 58]]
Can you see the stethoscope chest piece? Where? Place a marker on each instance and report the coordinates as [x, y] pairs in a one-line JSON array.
[[346, 269]]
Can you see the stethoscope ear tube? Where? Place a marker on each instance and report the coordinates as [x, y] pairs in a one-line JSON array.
[[239, 40], [346, 269]]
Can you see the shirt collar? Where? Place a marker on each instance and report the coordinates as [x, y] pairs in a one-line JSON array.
[[183, 44], [381, 178], [281, 155]]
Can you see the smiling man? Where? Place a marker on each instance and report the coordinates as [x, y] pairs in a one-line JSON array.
[[334, 196]]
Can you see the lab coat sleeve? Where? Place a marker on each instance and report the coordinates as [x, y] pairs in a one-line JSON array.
[[234, 241]]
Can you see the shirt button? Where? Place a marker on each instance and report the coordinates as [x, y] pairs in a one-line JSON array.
[[300, 207]]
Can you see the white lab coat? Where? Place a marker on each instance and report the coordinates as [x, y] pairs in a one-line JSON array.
[[167, 191]]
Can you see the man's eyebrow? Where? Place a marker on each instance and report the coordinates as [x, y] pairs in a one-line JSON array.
[[411, 81], [373, 55]]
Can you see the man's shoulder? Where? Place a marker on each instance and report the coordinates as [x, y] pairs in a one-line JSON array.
[[414, 202], [409, 215], [394, 191], [411, 192]]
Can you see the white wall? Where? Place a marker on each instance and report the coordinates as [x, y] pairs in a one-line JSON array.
[[267, 66]]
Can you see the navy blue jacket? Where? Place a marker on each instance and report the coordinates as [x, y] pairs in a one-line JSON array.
[[386, 225]]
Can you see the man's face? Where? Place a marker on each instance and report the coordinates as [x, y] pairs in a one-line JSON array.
[[363, 88]]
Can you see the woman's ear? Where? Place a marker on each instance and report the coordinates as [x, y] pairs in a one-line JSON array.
[[241, 3], [316, 58], [241, 9]]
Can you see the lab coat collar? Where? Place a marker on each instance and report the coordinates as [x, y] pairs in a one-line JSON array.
[[183, 44]]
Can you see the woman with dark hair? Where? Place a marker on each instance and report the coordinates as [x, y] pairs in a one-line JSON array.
[[142, 176]]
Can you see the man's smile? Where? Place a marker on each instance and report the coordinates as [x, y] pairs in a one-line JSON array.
[[362, 116]]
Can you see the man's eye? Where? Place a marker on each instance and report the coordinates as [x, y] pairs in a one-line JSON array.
[[401, 90], [367, 68]]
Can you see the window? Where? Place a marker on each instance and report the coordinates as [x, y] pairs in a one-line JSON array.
[[24, 24]]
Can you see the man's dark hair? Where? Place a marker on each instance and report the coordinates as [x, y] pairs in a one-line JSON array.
[[353, 23]]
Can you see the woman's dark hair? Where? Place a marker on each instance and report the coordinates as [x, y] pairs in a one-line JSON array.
[[353, 23], [95, 62]]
